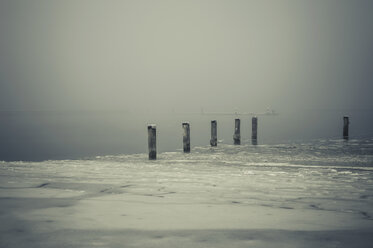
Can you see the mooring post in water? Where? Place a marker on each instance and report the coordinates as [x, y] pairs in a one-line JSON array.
[[152, 142], [214, 136], [186, 136], [254, 130], [237, 132], [346, 122]]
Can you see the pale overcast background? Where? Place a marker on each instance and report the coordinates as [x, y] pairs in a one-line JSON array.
[[301, 58], [185, 54]]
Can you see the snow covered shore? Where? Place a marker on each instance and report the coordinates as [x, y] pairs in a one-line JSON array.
[[263, 196]]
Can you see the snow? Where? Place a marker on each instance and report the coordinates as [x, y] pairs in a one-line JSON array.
[[298, 195]]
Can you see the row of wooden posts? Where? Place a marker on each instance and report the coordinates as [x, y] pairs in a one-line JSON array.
[[152, 144]]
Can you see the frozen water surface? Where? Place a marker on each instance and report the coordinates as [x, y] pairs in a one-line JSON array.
[[291, 195]]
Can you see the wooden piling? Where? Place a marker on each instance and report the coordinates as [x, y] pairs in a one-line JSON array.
[[346, 122], [254, 130], [214, 136], [152, 142], [186, 137], [254, 142], [237, 132]]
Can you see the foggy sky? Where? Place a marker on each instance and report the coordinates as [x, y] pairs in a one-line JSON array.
[[163, 55]]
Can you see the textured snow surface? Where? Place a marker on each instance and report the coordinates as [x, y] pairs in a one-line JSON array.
[[290, 195]]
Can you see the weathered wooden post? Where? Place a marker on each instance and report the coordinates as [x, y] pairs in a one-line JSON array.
[[346, 122], [254, 130], [237, 132], [214, 136], [152, 142], [186, 137]]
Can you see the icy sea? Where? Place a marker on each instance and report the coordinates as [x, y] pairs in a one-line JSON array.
[[299, 194]]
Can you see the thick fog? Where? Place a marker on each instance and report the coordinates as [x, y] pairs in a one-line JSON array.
[[161, 55], [143, 57]]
